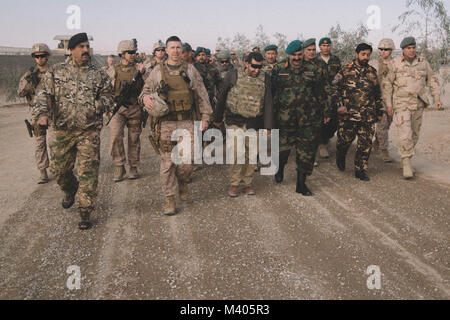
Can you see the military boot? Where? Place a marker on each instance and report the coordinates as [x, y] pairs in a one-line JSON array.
[[340, 160], [69, 198], [44, 177], [385, 156], [407, 169], [323, 151], [301, 185], [169, 206], [133, 175], [362, 175], [119, 173], [183, 190], [284, 156], [85, 222]]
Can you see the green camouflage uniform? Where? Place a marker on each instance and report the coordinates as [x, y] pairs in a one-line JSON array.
[[299, 109], [359, 91], [211, 80], [77, 97], [332, 68]]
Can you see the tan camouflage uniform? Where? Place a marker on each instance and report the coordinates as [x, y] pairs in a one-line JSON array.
[[110, 71], [405, 86], [80, 95], [169, 172], [382, 127], [43, 137], [130, 117]]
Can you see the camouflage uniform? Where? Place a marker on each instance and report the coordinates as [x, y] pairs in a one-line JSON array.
[[211, 80], [333, 66], [131, 116], [169, 172], [358, 91], [300, 108], [268, 67], [405, 88], [382, 127], [28, 89], [110, 71], [76, 97]]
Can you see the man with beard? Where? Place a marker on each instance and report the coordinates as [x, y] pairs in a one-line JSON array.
[[333, 66], [223, 63], [299, 112], [360, 106], [210, 74], [27, 88], [129, 115], [76, 94]]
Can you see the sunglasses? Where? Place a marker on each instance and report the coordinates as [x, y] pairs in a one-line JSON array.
[[256, 66], [382, 49], [131, 52], [159, 49], [40, 56], [224, 61]]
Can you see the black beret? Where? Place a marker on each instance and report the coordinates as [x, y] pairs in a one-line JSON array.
[[76, 39]]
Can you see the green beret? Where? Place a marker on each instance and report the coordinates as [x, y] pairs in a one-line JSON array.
[[294, 46], [198, 50], [408, 41], [325, 41], [186, 47], [208, 52], [270, 47], [309, 42]]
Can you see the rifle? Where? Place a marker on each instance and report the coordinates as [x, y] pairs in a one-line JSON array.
[[29, 128], [35, 130], [33, 77], [124, 94]]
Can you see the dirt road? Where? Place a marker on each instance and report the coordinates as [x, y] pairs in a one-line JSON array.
[[274, 245]]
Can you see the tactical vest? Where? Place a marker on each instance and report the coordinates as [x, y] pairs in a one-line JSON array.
[[246, 98], [180, 97], [126, 74]]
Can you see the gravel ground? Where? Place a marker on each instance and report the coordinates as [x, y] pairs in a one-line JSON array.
[[274, 245]]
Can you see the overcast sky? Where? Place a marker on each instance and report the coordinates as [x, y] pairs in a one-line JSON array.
[[199, 22]]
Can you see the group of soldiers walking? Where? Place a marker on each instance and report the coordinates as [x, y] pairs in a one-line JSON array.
[[308, 97]]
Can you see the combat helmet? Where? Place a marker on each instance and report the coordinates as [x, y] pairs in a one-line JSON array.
[[126, 45], [386, 44], [40, 47]]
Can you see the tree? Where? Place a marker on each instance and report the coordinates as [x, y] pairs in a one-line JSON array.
[[345, 42], [261, 38], [429, 22]]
